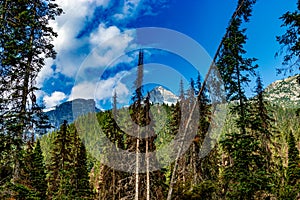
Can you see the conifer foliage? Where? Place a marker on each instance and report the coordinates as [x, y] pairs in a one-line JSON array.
[[252, 159], [25, 43], [293, 170], [67, 172], [244, 175], [290, 41], [59, 170], [38, 172]]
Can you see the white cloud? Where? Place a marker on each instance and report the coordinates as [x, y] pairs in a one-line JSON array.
[[109, 43], [45, 73], [70, 23], [67, 26], [54, 99], [67, 44], [84, 90], [130, 9], [102, 90], [103, 34], [98, 49], [105, 89]]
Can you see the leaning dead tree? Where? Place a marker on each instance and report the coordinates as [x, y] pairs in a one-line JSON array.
[[194, 106]]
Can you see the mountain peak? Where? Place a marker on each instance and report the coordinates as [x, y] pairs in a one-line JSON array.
[[70, 110], [284, 92], [161, 95]]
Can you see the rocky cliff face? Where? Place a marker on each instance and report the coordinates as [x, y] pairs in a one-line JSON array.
[[284, 92], [70, 110], [161, 95]]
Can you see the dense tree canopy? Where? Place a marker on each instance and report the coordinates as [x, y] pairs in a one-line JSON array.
[[257, 157]]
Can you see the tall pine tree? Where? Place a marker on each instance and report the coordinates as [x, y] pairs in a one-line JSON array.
[[80, 184], [25, 42], [242, 174], [59, 169], [293, 170], [38, 172]]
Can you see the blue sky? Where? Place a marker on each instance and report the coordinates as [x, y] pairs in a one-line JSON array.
[[98, 44]]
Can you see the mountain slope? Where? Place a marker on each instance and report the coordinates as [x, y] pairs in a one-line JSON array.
[[70, 110], [284, 92], [161, 95]]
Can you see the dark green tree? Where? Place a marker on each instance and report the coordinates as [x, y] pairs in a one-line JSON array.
[[184, 172], [109, 187], [80, 184], [114, 105], [235, 69], [174, 119], [207, 166], [291, 186], [32, 183], [60, 167], [293, 171], [204, 107], [261, 120], [38, 172], [290, 41], [262, 128], [25, 41], [243, 172]]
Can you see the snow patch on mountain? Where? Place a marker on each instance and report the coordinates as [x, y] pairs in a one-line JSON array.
[[161, 95]]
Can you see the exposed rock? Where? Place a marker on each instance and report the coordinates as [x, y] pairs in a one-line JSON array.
[[161, 95], [70, 110], [284, 92]]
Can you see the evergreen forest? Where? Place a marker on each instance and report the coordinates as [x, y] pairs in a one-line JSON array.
[[253, 156]]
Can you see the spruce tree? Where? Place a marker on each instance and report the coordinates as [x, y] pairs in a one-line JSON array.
[[235, 69], [38, 172], [242, 174], [109, 186], [290, 41], [134, 143], [59, 169], [204, 108], [68, 175], [114, 105], [25, 43], [80, 184], [181, 91], [293, 170], [262, 129], [184, 172], [32, 182], [261, 121], [174, 119]]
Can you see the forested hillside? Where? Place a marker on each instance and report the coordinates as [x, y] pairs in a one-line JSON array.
[[201, 177], [215, 142]]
